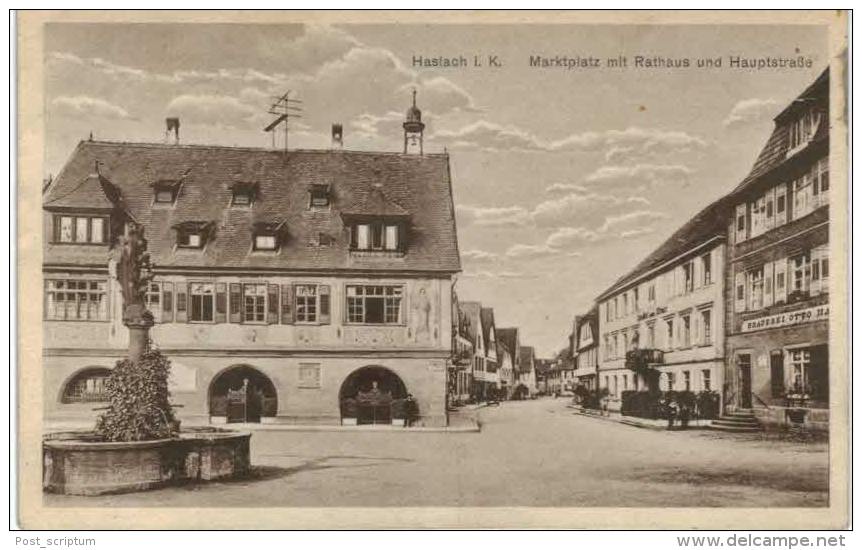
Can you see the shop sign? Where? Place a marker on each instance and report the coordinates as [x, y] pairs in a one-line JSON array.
[[818, 313]]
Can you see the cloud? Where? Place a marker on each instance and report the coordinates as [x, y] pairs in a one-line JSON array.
[[568, 237], [493, 216], [582, 207], [635, 220], [565, 188], [566, 241], [501, 274], [490, 136], [478, 256], [213, 109], [639, 176], [84, 106], [750, 111]]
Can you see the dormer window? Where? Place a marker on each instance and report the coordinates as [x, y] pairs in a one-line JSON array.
[[243, 193], [192, 234], [376, 235], [266, 237], [802, 129], [165, 192], [318, 196]]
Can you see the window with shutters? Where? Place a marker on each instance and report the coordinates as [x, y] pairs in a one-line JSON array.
[[202, 298], [706, 268], [685, 326], [76, 300], [800, 266], [688, 276], [153, 299], [755, 288], [668, 323], [306, 303], [706, 327], [254, 303], [740, 223]]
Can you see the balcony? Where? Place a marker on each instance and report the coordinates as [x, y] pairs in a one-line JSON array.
[[641, 359]]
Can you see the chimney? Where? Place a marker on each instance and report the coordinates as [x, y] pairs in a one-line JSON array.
[[337, 136], [172, 123]]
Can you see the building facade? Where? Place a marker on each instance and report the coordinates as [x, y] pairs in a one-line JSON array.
[[288, 280], [662, 323], [585, 349], [778, 306], [461, 366]]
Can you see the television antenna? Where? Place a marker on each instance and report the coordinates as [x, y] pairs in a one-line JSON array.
[[285, 108]]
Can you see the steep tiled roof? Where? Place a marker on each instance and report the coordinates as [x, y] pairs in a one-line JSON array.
[[509, 337], [527, 356], [471, 312], [487, 316], [706, 224], [774, 153], [413, 185], [92, 192]]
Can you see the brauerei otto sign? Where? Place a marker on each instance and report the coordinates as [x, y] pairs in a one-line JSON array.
[[790, 318]]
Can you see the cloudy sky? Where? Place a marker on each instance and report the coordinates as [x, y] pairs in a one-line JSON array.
[[563, 179]]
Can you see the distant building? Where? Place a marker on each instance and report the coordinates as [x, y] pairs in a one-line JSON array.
[[661, 323], [461, 367], [506, 372], [778, 328], [526, 377], [482, 334], [285, 282], [585, 348], [510, 338]]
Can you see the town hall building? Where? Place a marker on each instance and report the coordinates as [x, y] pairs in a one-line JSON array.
[[287, 284]]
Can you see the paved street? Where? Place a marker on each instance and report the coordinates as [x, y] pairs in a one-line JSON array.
[[535, 453]]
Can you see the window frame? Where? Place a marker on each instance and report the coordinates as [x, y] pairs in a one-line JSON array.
[[191, 302], [74, 227], [103, 311], [402, 321], [316, 304]]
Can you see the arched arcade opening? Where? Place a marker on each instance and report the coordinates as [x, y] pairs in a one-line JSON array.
[[242, 393], [368, 393]]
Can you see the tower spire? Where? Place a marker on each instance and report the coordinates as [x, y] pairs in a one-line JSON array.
[[414, 129]]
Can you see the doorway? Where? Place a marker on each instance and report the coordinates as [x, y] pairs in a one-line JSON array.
[[744, 364]]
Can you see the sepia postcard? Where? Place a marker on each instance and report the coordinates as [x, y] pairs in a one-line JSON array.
[[389, 270]]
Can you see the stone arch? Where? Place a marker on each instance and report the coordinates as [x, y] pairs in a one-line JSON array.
[[85, 385], [367, 393], [242, 393]]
